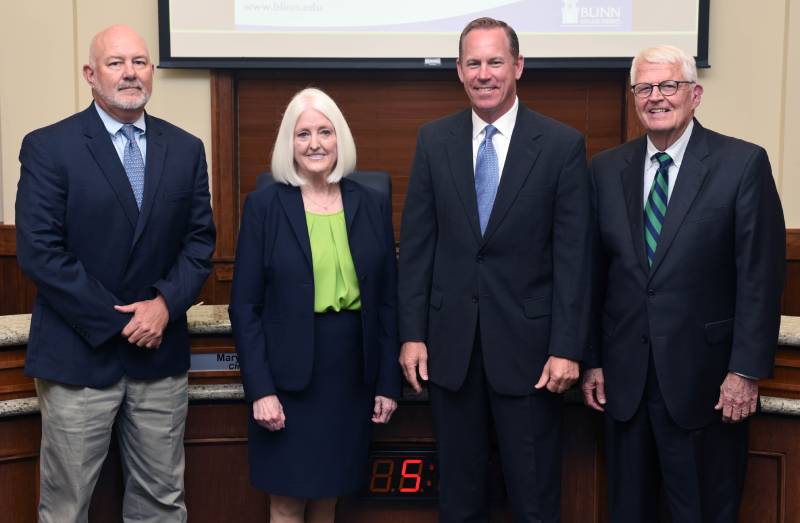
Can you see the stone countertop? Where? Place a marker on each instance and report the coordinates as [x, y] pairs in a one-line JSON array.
[[213, 319], [24, 406], [789, 335], [203, 319], [14, 329], [234, 392]]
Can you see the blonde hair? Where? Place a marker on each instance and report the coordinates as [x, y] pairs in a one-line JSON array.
[[283, 165]]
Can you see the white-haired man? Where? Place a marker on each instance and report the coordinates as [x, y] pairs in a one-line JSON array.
[[689, 250]]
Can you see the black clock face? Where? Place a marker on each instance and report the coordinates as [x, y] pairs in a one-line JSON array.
[[402, 473]]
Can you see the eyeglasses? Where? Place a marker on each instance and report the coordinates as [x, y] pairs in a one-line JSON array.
[[666, 88]]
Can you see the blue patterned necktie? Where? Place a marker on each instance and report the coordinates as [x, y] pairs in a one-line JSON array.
[[487, 176], [656, 208], [133, 163]]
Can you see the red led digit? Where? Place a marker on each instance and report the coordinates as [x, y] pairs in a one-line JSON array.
[[382, 470], [411, 474]]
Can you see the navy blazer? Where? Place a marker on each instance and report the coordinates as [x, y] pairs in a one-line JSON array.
[[523, 284], [272, 299], [710, 304], [87, 247]]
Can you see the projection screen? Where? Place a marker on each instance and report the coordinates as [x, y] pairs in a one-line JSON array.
[[419, 33]]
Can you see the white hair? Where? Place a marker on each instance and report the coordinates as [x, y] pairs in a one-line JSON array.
[[284, 168], [666, 54]]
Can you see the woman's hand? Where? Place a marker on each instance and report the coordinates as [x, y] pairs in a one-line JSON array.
[[384, 407], [268, 412]]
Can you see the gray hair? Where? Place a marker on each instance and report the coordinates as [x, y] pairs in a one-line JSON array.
[[284, 169], [666, 54]]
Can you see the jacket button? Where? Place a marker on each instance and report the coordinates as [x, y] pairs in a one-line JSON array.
[[474, 299], [479, 258], [645, 339], [651, 292]]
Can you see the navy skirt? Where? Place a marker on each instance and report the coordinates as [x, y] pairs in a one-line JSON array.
[[323, 450]]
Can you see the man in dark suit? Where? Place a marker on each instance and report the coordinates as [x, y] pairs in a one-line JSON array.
[[493, 254], [114, 227], [690, 256]]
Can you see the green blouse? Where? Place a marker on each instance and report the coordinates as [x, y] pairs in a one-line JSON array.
[[335, 280]]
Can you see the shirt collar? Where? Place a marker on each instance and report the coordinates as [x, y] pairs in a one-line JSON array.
[[504, 124], [676, 150], [113, 126]]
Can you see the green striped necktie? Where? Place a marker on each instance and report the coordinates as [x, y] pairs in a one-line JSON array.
[[656, 208]]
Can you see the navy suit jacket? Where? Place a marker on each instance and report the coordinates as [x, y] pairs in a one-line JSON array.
[[710, 304], [86, 246], [523, 283], [272, 299]]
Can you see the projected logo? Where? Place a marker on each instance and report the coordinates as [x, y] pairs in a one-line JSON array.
[[570, 12], [606, 13]]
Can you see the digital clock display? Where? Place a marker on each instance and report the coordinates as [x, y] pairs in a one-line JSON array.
[[403, 474]]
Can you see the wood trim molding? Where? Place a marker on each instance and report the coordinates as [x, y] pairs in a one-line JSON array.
[[8, 240], [224, 169], [793, 245], [631, 126]]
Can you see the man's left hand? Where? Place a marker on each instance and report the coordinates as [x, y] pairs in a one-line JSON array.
[[558, 374], [150, 317], [384, 407], [738, 397]]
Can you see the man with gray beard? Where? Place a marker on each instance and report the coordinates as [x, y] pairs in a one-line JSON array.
[[114, 227]]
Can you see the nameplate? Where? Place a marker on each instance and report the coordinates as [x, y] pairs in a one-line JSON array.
[[214, 362]]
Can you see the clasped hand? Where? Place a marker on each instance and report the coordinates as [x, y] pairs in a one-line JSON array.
[[147, 325]]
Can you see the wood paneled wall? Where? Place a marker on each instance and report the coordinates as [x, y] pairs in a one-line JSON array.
[[791, 288], [16, 291], [385, 109]]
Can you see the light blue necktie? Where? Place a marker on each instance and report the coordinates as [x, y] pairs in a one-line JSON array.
[[133, 163], [487, 176]]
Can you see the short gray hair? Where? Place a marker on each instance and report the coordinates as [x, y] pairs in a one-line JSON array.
[[284, 169], [666, 54]]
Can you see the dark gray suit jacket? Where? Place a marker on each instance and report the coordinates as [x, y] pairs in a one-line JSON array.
[[711, 302], [523, 283]]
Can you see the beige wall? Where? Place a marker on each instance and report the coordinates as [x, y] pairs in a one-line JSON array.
[[755, 69], [43, 45], [754, 55]]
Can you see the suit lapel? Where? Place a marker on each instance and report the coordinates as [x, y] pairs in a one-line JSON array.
[[632, 178], [523, 151], [690, 179], [350, 202], [292, 203], [459, 152], [351, 198], [154, 168], [103, 152]]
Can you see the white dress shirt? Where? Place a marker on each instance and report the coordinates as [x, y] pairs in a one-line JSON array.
[[118, 139], [675, 151], [500, 140]]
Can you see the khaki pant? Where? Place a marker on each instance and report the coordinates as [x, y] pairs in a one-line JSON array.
[[76, 430]]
